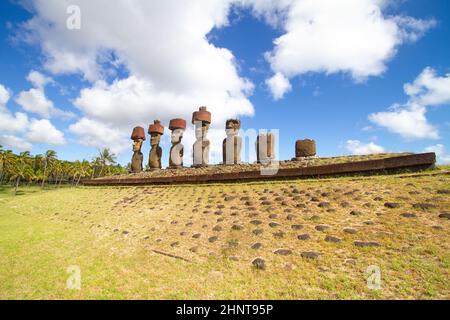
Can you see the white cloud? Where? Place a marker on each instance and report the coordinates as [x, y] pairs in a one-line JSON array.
[[9, 122], [42, 131], [38, 79], [429, 89], [409, 120], [98, 135], [350, 36], [35, 100], [15, 143], [173, 69], [279, 85], [357, 147], [4, 96], [443, 157]]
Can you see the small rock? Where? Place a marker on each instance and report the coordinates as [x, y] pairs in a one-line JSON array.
[[283, 252], [424, 206], [392, 205], [196, 236], [217, 228], [359, 243], [445, 191], [273, 216], [174, 244], [332, 239], [237, 227], [445, 215], [233, 258], [266, 203], [321, 227], [350, 230], [259, 264], [257, 232], [229, 198], [213, 239], [369, 222], [310, 255], [256, 222], [274, 224], [304, 236], [279, 234], [356, 213], [297, 227], [256, 246], [194, 249], [408, 215], [324, 205]]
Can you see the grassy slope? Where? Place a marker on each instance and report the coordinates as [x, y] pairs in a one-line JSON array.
[[110, 234]]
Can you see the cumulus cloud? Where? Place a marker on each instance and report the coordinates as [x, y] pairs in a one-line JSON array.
[[443, 157], [172, 68], [409, 120], [43, 131], [357, 147], [4, 96], [10, 122], [35, 100], [279, 85], [350, 36], [13, 142]]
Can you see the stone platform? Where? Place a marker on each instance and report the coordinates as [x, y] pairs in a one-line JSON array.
[[307, 168]]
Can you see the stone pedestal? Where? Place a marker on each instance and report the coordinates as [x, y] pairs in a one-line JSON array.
[[232, 145], [156, 130], [138, 137], [201, 119]]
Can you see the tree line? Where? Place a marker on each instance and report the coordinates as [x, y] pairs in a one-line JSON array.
[[47, 169]]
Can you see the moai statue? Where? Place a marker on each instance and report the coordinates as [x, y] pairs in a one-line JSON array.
[[232, 144], [304, 149], [265, 146], [138, 137], [177, 126], [202, 120], [156, 130]]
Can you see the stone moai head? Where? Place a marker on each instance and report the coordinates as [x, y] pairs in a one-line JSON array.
[[156, 130], [232, 127], [177, 126], [138, 137], [202, 120]]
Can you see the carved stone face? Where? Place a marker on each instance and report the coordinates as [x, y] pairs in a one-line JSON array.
[[137, 145], [155, 139], [201, 130], [232, 132], [177, 135]]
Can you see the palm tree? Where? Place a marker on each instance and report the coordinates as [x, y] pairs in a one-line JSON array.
[[21, 171], [49, 157], [7, 159], [106, 158]]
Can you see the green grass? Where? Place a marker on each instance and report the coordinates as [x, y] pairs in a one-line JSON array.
[[43, 232]]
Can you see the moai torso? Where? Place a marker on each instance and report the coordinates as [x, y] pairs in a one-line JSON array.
[[156, 130], [232, 145], [138, 137], [265, 146], [202, 120], [178, 127]]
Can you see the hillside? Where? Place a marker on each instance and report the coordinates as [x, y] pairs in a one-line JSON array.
[[315, 239]]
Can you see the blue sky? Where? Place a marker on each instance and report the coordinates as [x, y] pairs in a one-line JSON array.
[[162, 69]]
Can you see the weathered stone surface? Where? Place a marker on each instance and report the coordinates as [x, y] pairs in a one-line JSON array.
[[444, 215], [283, 252], [297, 227], [259, 264], [350, 230], [321, 227], [213, 239], [304, 236], [310, 254], [392, 205], [332, 239], [256, 246], [265, 148], [408, 215], [305, 148], [360, 243], [232, 144], [424, 206]]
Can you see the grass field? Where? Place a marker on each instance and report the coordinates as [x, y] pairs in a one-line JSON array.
[[198, 242]]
